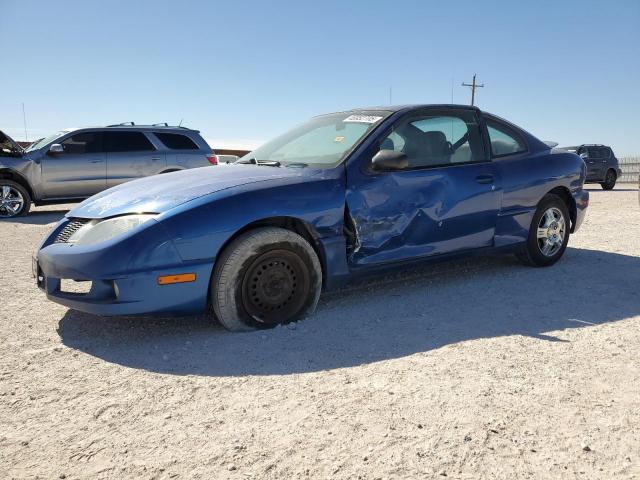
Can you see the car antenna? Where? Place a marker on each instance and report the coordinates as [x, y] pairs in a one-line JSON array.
[[24, 120], [180, 124]]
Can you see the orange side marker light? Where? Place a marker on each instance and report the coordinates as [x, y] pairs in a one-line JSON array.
[[179, 278]]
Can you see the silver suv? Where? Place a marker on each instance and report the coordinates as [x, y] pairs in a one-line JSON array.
[[76, 163]]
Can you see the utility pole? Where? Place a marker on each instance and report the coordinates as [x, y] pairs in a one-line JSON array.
[[473, 86]]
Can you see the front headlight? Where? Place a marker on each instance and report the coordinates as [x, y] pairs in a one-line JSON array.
[[102, 230]]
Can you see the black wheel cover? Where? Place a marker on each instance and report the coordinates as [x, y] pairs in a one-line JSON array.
[[275, 287]]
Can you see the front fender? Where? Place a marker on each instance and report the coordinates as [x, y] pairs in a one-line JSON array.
[[148, 247], [201, 229]]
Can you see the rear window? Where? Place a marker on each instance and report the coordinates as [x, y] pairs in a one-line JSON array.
[[127, 142], [176, 141], [598, 152]]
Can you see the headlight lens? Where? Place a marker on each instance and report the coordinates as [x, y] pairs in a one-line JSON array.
[[102, 230]]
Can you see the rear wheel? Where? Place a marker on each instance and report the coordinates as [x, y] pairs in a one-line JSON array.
[[609, 180], [14, 199], [265, 277], [548, 233]]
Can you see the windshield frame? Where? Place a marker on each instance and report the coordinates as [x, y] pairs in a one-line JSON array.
[[382, 113], [45, 141]]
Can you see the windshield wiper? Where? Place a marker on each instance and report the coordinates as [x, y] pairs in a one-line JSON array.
[[268, 163]]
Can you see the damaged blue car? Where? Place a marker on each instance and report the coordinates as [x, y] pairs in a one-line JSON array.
[[342, 195]]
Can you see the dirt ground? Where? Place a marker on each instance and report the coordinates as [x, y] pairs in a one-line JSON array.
[[475, 369]]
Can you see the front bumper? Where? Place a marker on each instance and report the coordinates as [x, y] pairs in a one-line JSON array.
[[130, 295], [123, 275]]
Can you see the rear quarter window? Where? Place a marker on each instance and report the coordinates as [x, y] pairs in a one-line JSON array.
[[504, 140], [176, 141]]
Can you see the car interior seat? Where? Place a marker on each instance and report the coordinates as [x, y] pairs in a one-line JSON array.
[[424, 149]]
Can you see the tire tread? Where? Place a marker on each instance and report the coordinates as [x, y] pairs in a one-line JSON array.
[[228, 267]]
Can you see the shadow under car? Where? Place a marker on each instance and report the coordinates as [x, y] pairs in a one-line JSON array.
[[379, 319]]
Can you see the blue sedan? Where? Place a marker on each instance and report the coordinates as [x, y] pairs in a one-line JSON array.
[[342, 195]]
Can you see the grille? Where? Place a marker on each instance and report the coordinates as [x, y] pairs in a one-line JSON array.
[[70, 228]]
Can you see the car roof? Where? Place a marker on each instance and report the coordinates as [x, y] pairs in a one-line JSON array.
[[408, 107], [134, 127], [588, 145]]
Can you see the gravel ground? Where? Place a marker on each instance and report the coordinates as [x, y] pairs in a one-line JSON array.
[[471, 369]]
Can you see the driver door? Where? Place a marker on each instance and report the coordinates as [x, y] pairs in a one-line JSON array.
[[79, 171], [447, 200]]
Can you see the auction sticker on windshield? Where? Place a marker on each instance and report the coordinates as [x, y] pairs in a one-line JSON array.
[[362, 119]]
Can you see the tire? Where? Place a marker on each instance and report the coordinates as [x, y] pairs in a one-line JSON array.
[[243, 299], [535, 251], [609, 180], [13, 194]]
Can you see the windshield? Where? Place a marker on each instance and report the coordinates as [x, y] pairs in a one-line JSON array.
[[44, 141], [322, 142]]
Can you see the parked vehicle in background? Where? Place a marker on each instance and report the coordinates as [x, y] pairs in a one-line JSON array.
[[227, 158], [74, 164], [342, 195], [602, 164]]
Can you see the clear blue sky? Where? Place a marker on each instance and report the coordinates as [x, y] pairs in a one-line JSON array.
[[240, 71]]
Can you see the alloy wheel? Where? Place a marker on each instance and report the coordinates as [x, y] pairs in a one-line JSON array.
[[11, 201], [551, 232]]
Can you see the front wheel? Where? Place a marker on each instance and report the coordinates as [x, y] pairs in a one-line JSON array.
[[14, 199], [548, 233], [265, 277], [609, 180]]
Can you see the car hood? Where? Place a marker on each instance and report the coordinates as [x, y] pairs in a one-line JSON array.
[[160, 193], [6, 142]]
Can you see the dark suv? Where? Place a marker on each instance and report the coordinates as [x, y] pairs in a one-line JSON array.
[[602, 164], [74, 164]]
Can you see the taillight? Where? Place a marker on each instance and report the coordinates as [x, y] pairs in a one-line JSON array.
[[213, 159]]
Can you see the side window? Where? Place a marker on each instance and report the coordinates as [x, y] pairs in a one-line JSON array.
[[87, 142], [504, 140], [437, 140], [176, 141], [127, 142]]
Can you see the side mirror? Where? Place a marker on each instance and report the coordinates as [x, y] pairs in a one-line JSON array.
[[389, 160], [55, 149], [584, 156]]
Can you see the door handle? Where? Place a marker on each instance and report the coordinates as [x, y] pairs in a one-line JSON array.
[[97, 160], [155, 159], [484, 179]]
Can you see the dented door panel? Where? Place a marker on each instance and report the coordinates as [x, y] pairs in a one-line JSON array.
[[409, 214]]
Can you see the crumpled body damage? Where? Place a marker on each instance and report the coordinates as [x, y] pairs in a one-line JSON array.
[[403, 215]]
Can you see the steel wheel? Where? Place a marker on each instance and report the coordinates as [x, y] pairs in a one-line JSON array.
[[275, 286], [11, 201], [551, 232]]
